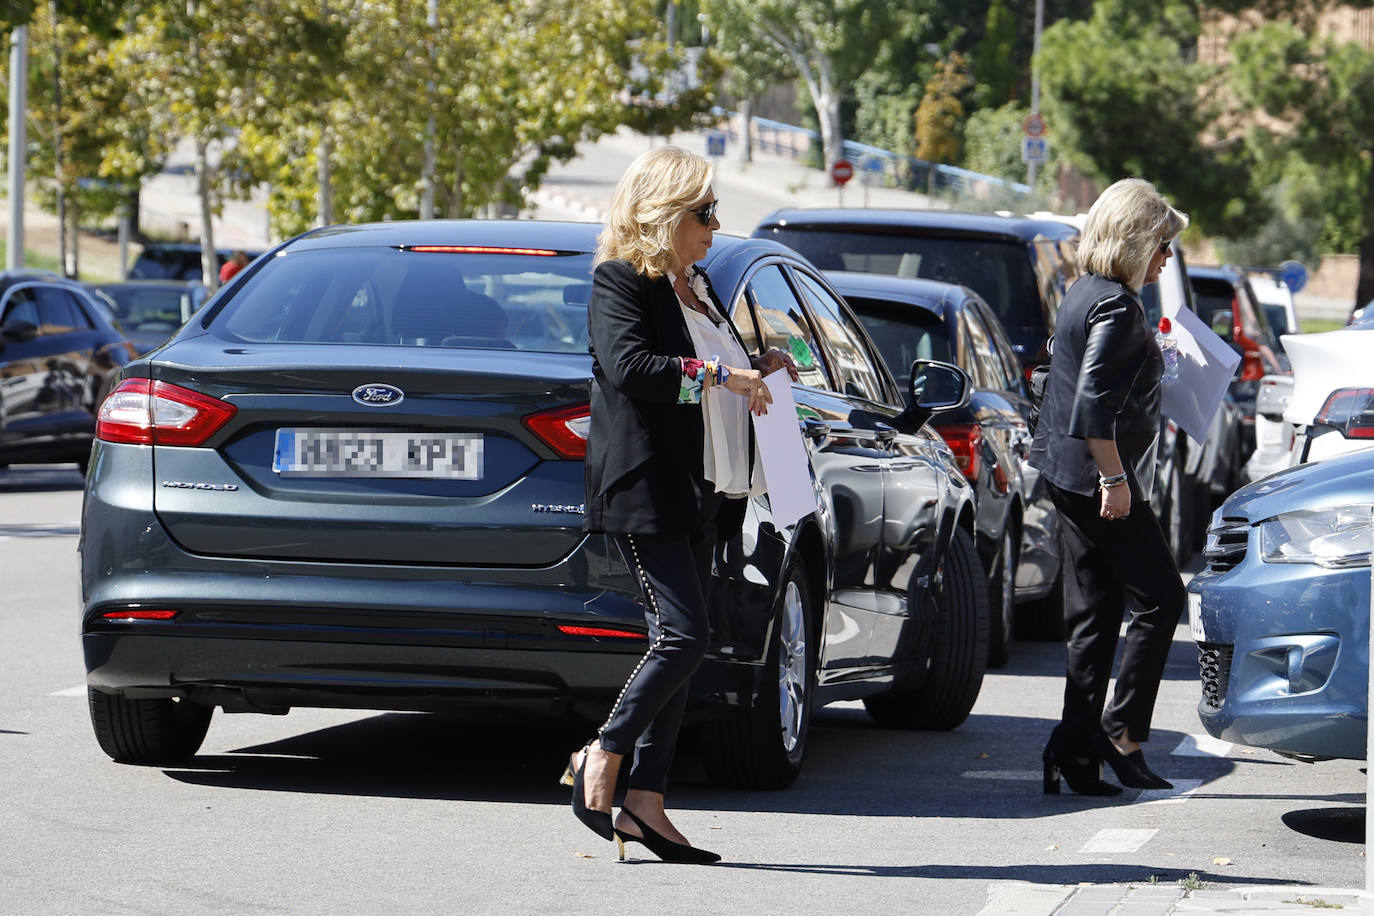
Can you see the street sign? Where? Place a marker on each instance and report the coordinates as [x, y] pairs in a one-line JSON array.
[[715, 144], [1034, 149], [1293, 274], [1034, 126], [841, 171]]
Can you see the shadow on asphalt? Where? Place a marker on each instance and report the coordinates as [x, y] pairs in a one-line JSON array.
[[41, 478]]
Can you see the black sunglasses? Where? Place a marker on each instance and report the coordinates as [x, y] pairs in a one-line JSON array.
[[706, 213], [1164, 246]]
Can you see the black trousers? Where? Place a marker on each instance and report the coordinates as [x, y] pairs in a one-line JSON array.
[[1104, 563], [675, 574]]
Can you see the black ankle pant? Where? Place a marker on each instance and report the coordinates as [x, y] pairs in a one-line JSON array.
[[675, 574], [1104, 562]]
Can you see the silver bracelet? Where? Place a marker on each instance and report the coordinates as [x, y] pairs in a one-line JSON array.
[[1112, 481]]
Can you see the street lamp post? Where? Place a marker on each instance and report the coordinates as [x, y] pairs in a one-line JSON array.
[[19, 81], [1032, 166]]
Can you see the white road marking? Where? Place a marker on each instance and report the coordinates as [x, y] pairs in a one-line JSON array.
[[70, 692], [1183, 788], [1017, 775], [1201, 746], [1117, 839]]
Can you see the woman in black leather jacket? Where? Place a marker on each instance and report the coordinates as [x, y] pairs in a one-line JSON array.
[[1095, 444]]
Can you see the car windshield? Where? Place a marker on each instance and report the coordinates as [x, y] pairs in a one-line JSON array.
[[903, 334], [408, 298], [1000, 272], [144, 309]]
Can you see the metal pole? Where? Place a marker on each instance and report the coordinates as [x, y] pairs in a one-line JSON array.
[[427, 179], [1369, 748], [18, 124], [1035, 79]]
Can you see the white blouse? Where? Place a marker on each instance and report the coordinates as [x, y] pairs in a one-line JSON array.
[[725, 414]]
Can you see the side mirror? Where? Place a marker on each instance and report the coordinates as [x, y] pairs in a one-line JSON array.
[[1222, 323], [19, 330], [935, 387]]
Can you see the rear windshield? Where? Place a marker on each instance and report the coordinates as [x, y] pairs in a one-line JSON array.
[[999, 271], [145, 309], [415, 299], [903, 335]]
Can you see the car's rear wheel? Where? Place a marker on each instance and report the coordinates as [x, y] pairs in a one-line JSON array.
[[763, 748], [158, 732], [959, 649], [1002, 602]]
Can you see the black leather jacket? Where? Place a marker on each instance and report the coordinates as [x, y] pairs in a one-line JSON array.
[[1105, 384]]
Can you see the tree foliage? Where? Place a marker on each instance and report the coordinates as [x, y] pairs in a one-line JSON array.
[[1124, 94], [941, 113]]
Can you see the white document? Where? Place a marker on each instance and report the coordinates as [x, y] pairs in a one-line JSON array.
[[791, 495], [1206, 365]]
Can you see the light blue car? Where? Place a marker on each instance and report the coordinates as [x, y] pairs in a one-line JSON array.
[[1281, 613]]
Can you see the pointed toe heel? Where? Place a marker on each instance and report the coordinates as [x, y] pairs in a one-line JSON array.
[[1129, 768], [599, 822], [661, 846]]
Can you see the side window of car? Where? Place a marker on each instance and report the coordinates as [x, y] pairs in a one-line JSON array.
[[784, 325], [58, 312], [853, 361], [1011, 366], [21, 308]]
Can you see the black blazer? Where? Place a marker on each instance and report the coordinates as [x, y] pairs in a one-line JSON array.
[[644, 470], [1104, 383]]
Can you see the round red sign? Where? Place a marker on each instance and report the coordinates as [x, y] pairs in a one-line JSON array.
[[841, 171], [1033, 126]]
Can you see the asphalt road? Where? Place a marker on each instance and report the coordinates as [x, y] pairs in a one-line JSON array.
[[336, 811]]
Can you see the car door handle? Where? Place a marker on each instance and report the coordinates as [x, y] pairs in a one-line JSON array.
[[815, 429], [885, 433]]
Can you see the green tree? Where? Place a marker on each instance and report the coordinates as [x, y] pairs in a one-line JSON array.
[[941, 113], [1124, 95], [830, 43], [1322, 92], [995, 67], [751, 65]]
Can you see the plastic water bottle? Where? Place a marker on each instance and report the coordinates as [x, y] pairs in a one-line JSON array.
[[1168, 348]]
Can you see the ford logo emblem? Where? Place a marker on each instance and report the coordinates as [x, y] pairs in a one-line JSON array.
[[378, 395]]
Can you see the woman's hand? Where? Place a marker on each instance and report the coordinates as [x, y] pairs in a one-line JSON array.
[[775, 359], [749, 383], [1116, 501]]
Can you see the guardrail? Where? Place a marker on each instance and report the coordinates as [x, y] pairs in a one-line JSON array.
[[885, 166]]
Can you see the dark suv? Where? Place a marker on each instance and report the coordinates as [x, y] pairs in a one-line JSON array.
[[1020, 266], [175, 261], [58, 354]]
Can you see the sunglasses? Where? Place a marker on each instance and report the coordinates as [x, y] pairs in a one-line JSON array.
[[1164, 246], [706, 213]]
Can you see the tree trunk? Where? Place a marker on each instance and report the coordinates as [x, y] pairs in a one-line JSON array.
[[1364, 290], [73, 262], [209, 264], [746, 128], [832, 138], [325, 178]]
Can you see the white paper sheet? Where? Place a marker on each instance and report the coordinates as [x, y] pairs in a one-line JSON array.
[[791, 494], [1206, 365]]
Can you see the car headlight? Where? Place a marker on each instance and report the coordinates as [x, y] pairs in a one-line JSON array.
[[1334, 538]]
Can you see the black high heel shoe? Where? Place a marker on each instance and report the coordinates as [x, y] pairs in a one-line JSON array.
[[598, 821], [1130, 768], [661, 846], [1083, 778]]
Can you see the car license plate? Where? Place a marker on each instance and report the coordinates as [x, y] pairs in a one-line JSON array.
[[313, 452], [1195, 618]]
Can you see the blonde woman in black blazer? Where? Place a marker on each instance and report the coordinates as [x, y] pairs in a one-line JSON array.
[[1095, 446], [669, 462]]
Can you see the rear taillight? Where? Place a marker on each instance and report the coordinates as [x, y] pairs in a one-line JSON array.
[[563, 429], [144, 412], [141, 614], [570, 630], [1350, 410], [965, 440]]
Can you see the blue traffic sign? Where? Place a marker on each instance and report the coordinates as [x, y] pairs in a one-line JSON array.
[[715, 144], [1293, 275]]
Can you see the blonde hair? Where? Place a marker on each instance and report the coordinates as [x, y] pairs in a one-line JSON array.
[[1125, 226], [649, 203]]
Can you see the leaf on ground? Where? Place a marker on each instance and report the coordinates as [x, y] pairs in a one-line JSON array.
[[1052, 847], [585, 855], [1222, 860], [982, 755]]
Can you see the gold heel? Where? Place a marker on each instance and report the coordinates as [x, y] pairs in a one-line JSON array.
[[620, 845], [567, 778]]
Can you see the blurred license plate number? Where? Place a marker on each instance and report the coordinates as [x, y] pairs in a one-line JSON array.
[[377, 453], [1195, 618]]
